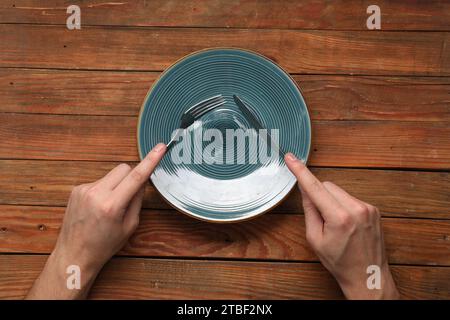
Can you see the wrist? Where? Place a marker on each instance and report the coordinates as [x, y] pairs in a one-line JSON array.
[[58, 282], [60, 261], [358, 289]]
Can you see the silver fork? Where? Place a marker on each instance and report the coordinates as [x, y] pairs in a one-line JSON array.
[[194, 113]]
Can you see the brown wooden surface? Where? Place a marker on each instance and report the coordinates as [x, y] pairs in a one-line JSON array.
[[310, 14], [312, 51], [198, 279], [271, 237], [379, 101]]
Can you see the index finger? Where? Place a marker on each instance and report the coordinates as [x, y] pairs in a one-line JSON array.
[[131, 184], [315, 190]]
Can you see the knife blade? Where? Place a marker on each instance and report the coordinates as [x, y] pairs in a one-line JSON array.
[[250, 116]]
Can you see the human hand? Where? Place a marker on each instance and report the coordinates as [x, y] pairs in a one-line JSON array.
[[99, 219], [345, 233]]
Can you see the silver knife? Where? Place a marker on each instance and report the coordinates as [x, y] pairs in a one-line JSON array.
[[250, 116]]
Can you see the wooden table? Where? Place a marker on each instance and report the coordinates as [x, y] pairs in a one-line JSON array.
[[380, 108]]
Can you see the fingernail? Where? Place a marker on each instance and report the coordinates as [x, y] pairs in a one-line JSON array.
[[291, 157], [159, 147]]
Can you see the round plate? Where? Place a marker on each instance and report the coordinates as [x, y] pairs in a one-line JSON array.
[[224, 192]]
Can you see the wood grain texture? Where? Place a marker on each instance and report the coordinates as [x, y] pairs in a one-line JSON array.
[[154, 49], [381, 144], [68, 137], [74, 92], [122, 93], [271, 237], [376, 98], [311, 14], [395, 193], [137, 278], [399, 144]]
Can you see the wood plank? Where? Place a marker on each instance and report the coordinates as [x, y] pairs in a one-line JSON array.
[[395, 193], [68, 137], [335, 143], [74, 92], [311, 14], [376, 98], [381, 144], [270, 237], [126, 278], [326, 52], [122, 93]]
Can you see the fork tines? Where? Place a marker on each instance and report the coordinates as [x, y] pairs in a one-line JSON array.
[[194, 113], [206, 105]]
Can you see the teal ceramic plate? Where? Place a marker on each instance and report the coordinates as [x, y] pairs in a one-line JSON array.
[[211, 187]]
